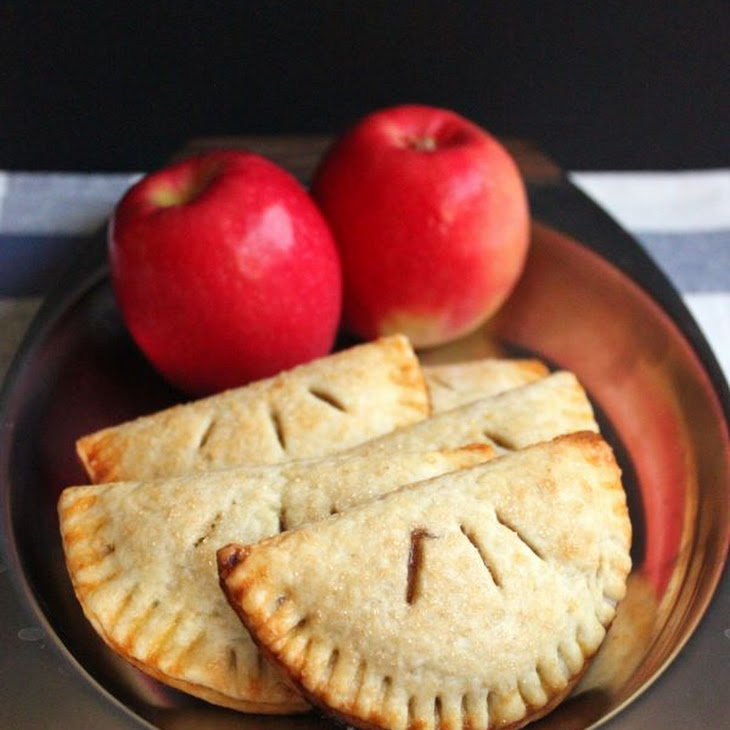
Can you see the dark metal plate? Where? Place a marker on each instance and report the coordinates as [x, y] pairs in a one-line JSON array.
[[590, 301]]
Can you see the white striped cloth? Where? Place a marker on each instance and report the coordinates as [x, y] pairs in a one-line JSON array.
[[681, 218]]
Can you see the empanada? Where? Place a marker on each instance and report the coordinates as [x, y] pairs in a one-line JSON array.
[[319, 408], [141, 557], [456, 384], [539, 411], [473, 600]]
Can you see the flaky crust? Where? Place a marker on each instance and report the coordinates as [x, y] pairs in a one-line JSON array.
[[325, 406], [457, 384], [473, 600], [520, 417], [141, 557]]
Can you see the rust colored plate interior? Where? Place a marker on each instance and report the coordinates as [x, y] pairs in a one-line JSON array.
[[660, 406]]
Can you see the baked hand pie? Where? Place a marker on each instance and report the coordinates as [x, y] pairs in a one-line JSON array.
[[539, 411], [141, 557], [456, 384], [315, 409], [472, 600]]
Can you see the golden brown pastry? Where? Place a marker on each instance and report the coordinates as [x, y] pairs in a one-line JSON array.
[[319, 408], [539, 411], [456, 384], [141, 557], [473, 600]]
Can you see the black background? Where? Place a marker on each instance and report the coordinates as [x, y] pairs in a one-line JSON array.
[[603, 85]]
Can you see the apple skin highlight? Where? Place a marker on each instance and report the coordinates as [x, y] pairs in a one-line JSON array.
[[224, 271], [431, 218]]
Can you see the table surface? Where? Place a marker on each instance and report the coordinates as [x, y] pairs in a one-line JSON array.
[[681, 218]]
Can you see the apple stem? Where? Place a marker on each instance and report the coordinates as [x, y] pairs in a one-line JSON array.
[[423, 144], [184, 190]]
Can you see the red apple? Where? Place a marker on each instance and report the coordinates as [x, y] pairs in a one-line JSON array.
[[224, 270], [431, 218]]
